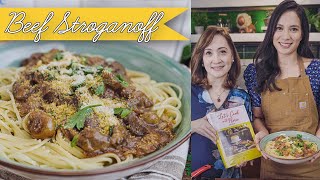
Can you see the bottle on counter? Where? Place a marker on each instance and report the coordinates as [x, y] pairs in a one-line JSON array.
[[228, 25], [220, 24]]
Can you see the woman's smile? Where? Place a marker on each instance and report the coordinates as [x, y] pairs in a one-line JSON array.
[[285, 45], [218, 68]]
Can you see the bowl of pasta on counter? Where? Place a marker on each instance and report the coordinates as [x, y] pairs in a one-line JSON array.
[[290, 147], [82, 110]]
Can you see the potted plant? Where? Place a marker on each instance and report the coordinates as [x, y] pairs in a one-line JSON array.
[[200, 20], [314, 20], [186, 55]]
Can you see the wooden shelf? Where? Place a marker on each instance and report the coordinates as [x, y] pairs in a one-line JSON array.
[[253, 37], [244, 3]]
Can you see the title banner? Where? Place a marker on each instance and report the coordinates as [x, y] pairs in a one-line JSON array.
[[139, 24]]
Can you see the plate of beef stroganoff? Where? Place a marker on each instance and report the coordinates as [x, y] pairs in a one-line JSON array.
[[290, 147], [83, 109]]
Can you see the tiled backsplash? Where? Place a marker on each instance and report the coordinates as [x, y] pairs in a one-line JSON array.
[[246, 51]]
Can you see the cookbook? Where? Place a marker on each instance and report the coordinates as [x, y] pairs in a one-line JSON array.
[[235, 135]]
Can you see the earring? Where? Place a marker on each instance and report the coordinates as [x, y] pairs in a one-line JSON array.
[[232, 60], [202, 65]]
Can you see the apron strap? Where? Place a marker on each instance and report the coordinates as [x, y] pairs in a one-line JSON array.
[[301, 67]]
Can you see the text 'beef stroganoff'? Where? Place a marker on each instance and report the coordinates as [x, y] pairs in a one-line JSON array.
[[69, 111]]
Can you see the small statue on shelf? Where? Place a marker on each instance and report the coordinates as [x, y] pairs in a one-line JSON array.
[[244, 23]]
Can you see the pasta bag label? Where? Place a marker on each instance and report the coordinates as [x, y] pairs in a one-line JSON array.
[[235, 135]]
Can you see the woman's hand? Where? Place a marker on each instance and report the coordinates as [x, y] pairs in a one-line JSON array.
[[257, 139], [244, 164], [204, 128], [316, 156]]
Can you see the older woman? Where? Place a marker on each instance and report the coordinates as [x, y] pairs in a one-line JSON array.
[[215, 67]]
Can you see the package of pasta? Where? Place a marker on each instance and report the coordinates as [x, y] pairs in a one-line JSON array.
[[235, 135]]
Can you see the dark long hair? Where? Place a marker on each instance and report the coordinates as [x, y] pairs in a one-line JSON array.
[[266, 57], [199, 73]]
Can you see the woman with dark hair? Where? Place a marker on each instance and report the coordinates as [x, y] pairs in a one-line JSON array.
[[215, 67], [284, 86]]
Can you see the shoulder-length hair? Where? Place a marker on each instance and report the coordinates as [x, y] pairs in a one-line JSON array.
[[266, 57], [199, 73]]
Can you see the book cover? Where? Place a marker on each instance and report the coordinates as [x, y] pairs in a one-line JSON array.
[[235, 135]]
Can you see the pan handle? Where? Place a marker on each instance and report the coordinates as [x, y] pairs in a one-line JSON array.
[[200, 170]]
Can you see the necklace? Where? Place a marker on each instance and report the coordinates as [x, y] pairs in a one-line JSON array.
[[218, 99]]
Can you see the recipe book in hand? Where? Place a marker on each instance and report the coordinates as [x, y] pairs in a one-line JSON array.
[[235, 135]]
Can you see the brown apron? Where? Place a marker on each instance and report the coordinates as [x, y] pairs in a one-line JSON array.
[[293, 108]]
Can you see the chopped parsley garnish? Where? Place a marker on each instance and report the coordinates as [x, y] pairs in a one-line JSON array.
[[300, 144], [83, 60], [299, 136], [111, 130], [279, 153], [88, 71], [99, 68], [99, 90], [73, 67], [310, 145], [123, 112], [109, 70], [74, 140], [77, 119], [122, 81], [51, 77], [58, 56]]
